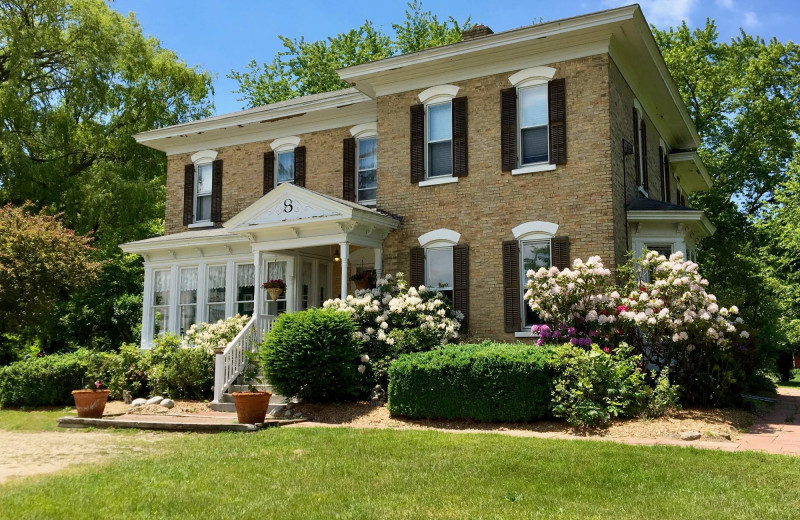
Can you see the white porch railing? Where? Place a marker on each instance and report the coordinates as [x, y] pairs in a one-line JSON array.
[[231, 361]]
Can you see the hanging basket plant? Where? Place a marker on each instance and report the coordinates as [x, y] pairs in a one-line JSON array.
[[274, 288], [364, 279]]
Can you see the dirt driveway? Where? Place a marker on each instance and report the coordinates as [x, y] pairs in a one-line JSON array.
[[34, 453]]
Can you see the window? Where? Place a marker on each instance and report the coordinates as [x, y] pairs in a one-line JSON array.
[[439, 139], [202, 192], [534, 254], [245, 289], [187, 303], [306, 275], [439, 270], [216, 293], [367, 174], [533, 131], [661, 249], [276, 271], [322, 281], [284, 165], [161, 285]]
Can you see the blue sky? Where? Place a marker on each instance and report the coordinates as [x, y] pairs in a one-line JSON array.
[[223, 35]]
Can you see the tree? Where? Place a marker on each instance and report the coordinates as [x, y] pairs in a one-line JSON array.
[[41, 261], [305, 68], [744, 98], [77, 80]]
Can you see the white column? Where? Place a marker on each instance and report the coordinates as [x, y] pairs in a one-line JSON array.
[[258, 296], [344, 254], [378, 261], [147, 308]]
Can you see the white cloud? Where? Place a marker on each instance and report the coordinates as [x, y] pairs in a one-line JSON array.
[[725, 4], [750, 20], [662, 13]]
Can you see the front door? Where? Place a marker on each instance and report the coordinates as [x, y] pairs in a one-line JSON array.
[[315, 282]]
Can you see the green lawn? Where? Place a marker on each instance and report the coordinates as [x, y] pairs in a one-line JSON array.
[[32, 420], [794, 382], [326, 473]]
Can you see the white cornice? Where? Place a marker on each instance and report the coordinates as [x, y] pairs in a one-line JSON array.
[[697, 218]]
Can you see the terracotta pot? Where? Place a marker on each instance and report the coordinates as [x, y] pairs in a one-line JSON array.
[[90, 403], [251, 407], [361, 284], [274, 293]]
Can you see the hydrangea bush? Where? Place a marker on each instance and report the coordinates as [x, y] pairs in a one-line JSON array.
[[394, 319], [209, 336], [662, 308]]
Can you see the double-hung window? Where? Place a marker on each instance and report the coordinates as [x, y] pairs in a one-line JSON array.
[[215, 306], [245, 289], [367, 174], [534, 254], [533, 130], [161, 290], [284, 167], [203, 183], [187, 304], [439, 139], [439, 270]]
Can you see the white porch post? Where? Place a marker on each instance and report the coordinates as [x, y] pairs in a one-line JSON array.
[[344, 254], [219, 373], [258, 297], [378, 261]]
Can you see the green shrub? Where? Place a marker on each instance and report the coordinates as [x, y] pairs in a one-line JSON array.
[[591, 387], [664, 396], [486, 382], [44, 381], [313, 355], [177, 372], [125, 370]]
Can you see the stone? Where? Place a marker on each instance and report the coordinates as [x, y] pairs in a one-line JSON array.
[[298, 414], [690, 436], [141, 401], [287, 413], [289, 405], [167, 403], [155, 400]]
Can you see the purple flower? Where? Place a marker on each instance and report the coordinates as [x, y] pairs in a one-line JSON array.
[[544, 329], [593, 333], [574, 341], [535, 329], [572, 331], [540, 341], [557, 334], [587, 342]]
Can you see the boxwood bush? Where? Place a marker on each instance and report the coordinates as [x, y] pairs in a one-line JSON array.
[[177, 372], [486, 382], [313, 355], [44, 381]]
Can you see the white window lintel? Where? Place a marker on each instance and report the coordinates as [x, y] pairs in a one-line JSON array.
[[532, 76], [438, 93], [364, 130], [204, 156], [439, 238], [285, 143], [535, 229]]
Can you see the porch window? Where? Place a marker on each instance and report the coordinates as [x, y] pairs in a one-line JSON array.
[[284, 164], [534, 254], [276, 271], [322, 281], [439, 270], [216, 293], [245, 289], [440, 139], [306, 277], [202, 197], [367, 175], [161, 285], [533, 132], [187, 303]]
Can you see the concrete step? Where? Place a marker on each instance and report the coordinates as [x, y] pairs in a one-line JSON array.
[[231, 408], [246, 388]]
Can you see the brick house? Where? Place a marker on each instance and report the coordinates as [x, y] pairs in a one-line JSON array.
[[461, 166]]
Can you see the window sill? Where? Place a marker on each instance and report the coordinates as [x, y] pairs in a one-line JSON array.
[[201, 225], [438, 180], [525, 334], [534, 168], [368, 203]]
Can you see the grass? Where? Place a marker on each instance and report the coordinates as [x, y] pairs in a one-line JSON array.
[[20, 420], [308, 473], [794, 382]]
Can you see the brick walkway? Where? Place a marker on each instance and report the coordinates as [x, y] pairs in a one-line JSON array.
[[779, 430]]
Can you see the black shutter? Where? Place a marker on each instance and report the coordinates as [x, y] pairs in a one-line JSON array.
[[188, 194], [349, 169], [461, 282], [216, 191], [560, 252], [417, 143], [511, 311], [508, 129], [557, 103], [269, 172], [417, 267], [300, 166], [636, 162], [460, 163], [645, 180]]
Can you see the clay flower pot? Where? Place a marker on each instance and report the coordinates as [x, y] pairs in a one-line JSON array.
[[274, 293], [251, 407], [90, 403]]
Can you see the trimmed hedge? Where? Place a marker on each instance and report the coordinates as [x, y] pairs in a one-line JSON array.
[[487, 382], [45, 381]]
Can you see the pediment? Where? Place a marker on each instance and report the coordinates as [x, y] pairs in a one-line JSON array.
[[287, 204]]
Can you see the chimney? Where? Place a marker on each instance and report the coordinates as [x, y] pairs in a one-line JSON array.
[[476, 31]]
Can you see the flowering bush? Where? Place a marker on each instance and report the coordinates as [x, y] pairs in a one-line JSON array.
[[394, 319], [209, 336], [662, 309]]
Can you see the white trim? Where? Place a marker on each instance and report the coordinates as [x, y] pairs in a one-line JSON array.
[[201, 224], [285, 143], [526, 230], [438, 93], [643, 192], [438, 180], [534, 168], [204, 156], [531, 76], [442, 235], [525, 335], [365, 130]]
